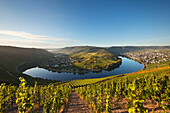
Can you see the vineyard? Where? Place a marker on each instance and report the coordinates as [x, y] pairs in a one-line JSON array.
[[144, 94], [28, 99], [140, 92]]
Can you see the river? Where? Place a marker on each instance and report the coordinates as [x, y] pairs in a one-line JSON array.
[[127, 66]]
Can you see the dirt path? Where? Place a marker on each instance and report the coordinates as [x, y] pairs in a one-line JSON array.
[[147, 71], [76, 105], [11, 74], [16, 67]]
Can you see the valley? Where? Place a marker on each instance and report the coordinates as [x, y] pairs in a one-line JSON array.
[[84, 56], [83, 60], [147, 88]]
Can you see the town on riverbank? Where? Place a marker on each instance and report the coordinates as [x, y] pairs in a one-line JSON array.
[[149, 56]]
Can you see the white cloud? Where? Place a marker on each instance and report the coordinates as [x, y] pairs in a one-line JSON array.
[[34, 44], [24, 39], [30, 36]]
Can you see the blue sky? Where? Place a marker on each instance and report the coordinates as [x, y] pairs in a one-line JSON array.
[[61, 23]]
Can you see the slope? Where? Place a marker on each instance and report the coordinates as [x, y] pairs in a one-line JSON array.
[[95, 60], [12, 57]]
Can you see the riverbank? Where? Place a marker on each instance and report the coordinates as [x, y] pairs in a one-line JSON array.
[[141, 62]]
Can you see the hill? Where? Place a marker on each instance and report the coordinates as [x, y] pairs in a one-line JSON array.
[[116, 50], [75, 49], [124, 49], [13, 60], [94, 59]]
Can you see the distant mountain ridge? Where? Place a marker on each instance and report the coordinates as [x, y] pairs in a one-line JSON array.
[[123, 49], [116, 50], [76, 49]]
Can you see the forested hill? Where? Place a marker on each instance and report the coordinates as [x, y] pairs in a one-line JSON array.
[[116, 50], [76, 49], [24, 53], [12, 57]]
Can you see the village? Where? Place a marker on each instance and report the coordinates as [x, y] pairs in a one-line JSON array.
[[149, 57], [59, 60], [62, 63]]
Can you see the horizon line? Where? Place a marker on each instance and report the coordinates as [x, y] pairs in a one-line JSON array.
[[88, 46]]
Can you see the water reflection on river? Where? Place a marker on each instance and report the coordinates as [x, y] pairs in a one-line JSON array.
[[127, 66]]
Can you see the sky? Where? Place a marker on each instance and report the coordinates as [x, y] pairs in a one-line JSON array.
[[65, 23]]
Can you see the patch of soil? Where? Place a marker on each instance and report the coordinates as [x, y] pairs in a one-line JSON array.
[[76, 104]]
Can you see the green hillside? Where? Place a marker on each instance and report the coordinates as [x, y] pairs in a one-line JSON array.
[[12, 60], [95, 60]]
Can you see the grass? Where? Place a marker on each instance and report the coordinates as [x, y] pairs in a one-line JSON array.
[[82, 82], [158, 72], [160, 65]]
